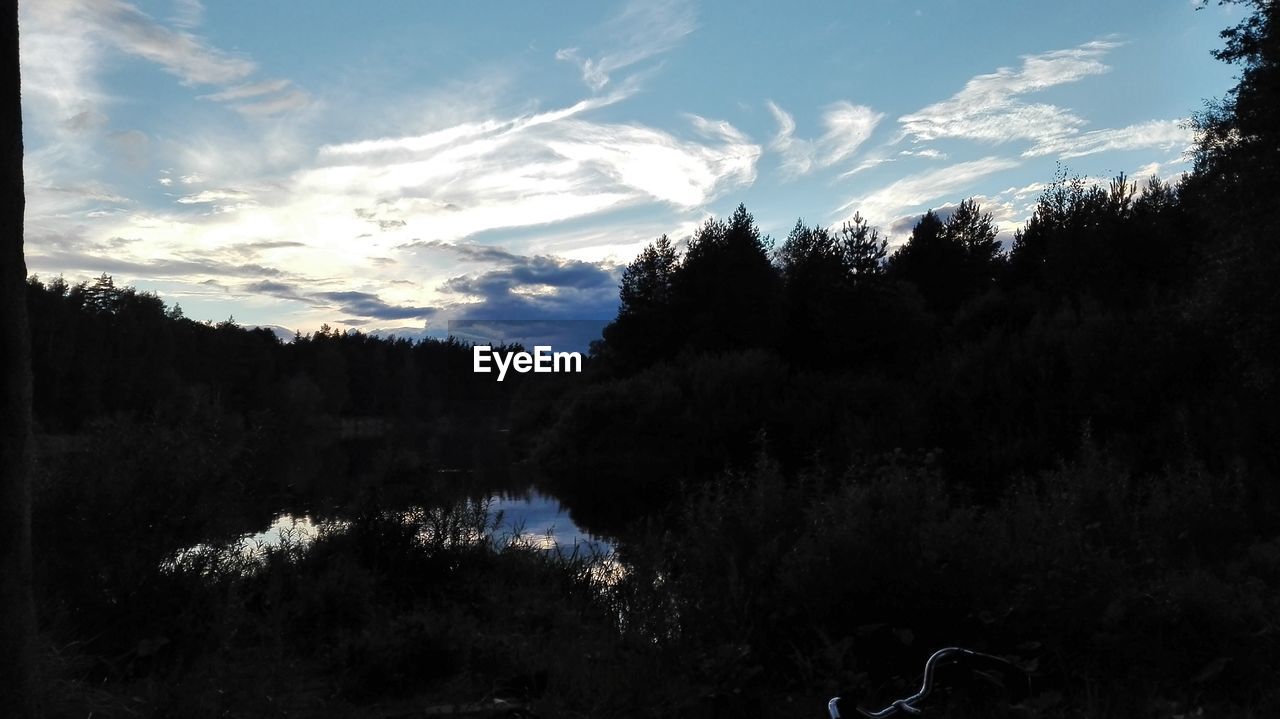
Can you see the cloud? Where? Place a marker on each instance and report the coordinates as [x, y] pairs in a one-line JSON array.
[[48, 254], [469, 252], [547, 167], [536, 272], [641, 31], [248, 90], [1007, 215], [1158, 134], [531, 287], [263, 98], [927, 152], [179, 52], [364, 304], [882, 206], [560, 334], [848, 126], [360, 304], [187, 13], [1164, 171], [797, 155], [989, 108], [66, 45], [131, 147], [207, 197], [294, 99], [255, 249]]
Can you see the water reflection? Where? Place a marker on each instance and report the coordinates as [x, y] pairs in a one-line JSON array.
[[284, 528], [539, 520], [529, 518]]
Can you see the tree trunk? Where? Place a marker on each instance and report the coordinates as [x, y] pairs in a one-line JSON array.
[[17, 614]]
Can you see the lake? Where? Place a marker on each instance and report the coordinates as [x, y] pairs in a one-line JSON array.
[[529, 517]]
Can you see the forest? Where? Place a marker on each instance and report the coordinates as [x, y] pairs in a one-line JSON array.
[[818, 458]]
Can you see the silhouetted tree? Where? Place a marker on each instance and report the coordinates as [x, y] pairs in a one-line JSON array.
[[1236, 181], [642, 332], [17, 614], [933, 262], [726, 290], [815, 295], [975, 232], [862, 249]]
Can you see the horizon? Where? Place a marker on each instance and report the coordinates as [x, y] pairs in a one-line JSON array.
[[207, 154]]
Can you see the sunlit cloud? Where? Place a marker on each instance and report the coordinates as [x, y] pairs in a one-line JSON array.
[[641, 31], [1155, 134], [848, 126], [883, 206], [479, 184], [990, 107]]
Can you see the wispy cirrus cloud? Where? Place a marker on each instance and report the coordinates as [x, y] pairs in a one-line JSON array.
[[65, 44], [990, 108], [848, 126], [641, 31], [529, 170], [358, 208], [1155, 134], [883, 206]]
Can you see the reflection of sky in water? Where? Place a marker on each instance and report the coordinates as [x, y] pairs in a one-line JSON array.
[[533, 519], [539, 520], [297, 529]]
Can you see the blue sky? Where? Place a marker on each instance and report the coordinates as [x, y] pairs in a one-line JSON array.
[[404, 164]]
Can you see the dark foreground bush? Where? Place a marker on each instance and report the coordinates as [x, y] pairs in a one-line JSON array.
[[1122, 596]]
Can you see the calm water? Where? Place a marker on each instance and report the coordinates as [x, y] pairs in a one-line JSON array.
[[532, 518]]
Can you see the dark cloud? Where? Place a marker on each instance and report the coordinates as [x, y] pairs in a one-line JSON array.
[[275, 289], [561, 335], [468, 252], [902, 227], [365, 304], [252, 249], [529, 288], [535, 271], [360, 304]]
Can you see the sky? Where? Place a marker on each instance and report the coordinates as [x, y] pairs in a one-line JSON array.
[[401, 165]]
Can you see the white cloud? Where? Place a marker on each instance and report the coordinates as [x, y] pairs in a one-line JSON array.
[[641, 31], [458, 181], [894, 200], [345, 209], [187, 13], [926, 152], [206, 197], [1160, 134], [797, 155], [179, 52], [248, 90], [60, 89], [1168, 171], [848, 126], [989, 108], [294, 99]]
